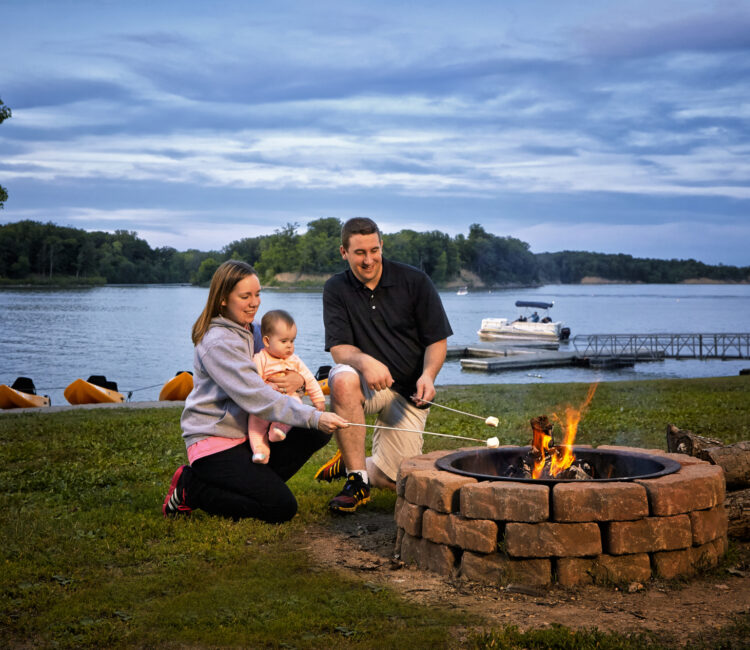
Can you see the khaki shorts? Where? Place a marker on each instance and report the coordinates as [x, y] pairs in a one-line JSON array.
[[389, 447]]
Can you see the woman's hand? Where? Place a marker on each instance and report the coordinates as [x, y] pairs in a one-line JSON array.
[[286, 382], [330, 422]]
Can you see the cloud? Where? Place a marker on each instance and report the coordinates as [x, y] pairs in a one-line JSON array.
[[413, 113], [728, 31]]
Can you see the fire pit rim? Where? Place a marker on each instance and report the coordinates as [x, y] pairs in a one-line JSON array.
[[668, 466]]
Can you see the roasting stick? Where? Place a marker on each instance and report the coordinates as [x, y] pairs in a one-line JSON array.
[[492, 442], [491, 421]]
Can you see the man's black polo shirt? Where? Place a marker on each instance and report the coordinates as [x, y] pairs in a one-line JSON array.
[[394, 322]]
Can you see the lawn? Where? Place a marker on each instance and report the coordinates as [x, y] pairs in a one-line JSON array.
[[88, 559]]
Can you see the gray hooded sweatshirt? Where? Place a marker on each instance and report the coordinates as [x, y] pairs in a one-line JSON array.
[[227, 386]]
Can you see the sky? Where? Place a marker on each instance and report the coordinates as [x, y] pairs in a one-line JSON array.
[[616, 126]]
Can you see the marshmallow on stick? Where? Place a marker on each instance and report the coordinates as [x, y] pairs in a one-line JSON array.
[[492, 421], [493, 442]]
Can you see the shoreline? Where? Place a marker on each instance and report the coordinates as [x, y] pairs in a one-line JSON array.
[[312, 288], [160, 404]]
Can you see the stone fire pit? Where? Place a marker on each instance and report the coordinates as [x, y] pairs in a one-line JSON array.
[[570, 533]]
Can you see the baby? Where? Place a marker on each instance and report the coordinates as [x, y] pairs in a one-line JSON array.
[[278, 331]]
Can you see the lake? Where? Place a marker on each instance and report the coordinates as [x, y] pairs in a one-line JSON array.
[[139, 336]]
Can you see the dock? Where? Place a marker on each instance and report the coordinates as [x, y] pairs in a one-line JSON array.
[[664, 346], [515, 359], [600, 351]]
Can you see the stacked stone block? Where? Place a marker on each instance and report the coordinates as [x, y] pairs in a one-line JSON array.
[[570, 533]]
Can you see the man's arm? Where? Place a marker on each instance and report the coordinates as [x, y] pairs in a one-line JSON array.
[[434, 356], [376, 374]]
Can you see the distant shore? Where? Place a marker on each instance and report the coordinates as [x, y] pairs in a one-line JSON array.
[[593, 279], [315, 283]]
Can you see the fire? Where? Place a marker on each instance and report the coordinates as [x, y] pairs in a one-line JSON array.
[[542, 428], [561, 456]]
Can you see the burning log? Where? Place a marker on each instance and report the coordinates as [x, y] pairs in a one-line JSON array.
[[553, 461], [578, 472], [542, 431]]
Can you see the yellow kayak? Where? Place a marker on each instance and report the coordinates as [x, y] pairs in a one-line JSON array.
[[177, 388], [322, 377], [89, 392], [21, 395]]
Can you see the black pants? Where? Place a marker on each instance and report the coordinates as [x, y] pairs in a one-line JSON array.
[[230, 484]]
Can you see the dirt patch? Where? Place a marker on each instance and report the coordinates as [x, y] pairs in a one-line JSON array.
[[362, 546]]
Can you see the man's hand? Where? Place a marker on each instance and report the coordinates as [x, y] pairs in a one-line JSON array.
[[425, 390], [434, 355], [376, 374], [287, 382]]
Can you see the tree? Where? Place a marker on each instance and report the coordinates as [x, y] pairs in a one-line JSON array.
[[4, 115], [206, 271]]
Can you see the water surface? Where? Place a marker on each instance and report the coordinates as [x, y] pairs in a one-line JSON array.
[[139, 336]]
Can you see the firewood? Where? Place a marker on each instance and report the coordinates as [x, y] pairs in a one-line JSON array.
[[737, 505], [682, 441], [734, 459]]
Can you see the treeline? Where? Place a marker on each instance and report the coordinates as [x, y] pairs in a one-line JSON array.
[[36, 252]]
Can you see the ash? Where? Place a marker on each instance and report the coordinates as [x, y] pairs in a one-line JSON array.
[[580, 470]]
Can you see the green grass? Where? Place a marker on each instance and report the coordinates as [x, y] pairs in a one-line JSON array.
[[88, 561]]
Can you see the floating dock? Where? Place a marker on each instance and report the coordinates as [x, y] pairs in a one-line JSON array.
[[517, 358], [600, 351]]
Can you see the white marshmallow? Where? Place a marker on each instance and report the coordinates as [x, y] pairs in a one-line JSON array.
[[492, 421], [493, 442]]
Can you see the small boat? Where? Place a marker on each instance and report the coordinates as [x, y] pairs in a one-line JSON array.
[[95, 390], [463, 291], [177, 388], [526, 327], [21, 394]]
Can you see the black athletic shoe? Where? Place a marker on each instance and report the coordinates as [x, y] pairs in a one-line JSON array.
[[174, 502], [355, 493], [333, 469]]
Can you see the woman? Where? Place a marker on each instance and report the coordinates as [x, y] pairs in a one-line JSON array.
[[221, 478]]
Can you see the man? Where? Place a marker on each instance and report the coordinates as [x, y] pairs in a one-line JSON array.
[[386, 330]]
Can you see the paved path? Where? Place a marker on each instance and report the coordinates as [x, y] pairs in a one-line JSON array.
[[71, 407]]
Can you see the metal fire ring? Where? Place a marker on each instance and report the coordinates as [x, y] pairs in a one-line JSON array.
[[627, 466]]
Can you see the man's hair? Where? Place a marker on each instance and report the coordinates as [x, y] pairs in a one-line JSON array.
[[270, 318], [358, 226]]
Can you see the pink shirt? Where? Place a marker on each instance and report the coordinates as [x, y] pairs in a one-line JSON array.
[[212, 445]]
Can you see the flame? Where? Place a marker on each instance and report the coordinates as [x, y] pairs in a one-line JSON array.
[[540, 444], [562, 455]]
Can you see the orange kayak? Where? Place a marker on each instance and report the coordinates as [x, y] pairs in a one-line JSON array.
[[177, 388], [87, 392], [11, 398]]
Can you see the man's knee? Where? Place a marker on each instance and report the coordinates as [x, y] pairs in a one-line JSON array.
[[378, 478], [345, 386]]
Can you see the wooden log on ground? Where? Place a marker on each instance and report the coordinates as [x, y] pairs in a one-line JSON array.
[[734, 459], [682, 441], [737, 505]]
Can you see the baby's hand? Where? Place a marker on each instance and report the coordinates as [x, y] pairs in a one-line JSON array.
[[321, 406]]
